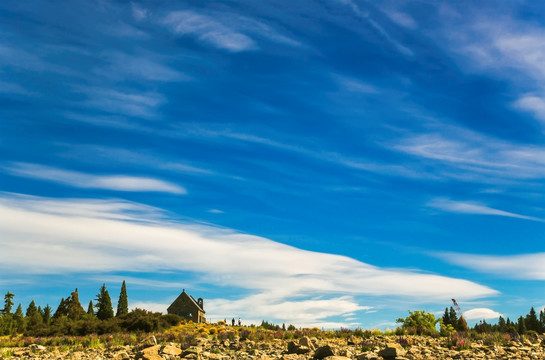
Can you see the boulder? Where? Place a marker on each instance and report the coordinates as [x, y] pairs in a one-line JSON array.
[[324, 351], [192, 352], [391, 351], [148, 342], [353, 340], [294, 348], [149, 353], [171, 350], [305, 341]]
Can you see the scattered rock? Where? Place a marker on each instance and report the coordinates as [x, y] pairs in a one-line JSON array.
[[392, 351], [149, 353], [305, 341], [323, 352], [294, 348], [148, 342], [192, 352], [171, 350]]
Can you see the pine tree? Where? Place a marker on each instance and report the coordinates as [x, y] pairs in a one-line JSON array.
[[90, 310], [47, 314], [531, 321], [31, 309], [502, 327], [446, 318], [122, 303], [62, 309], [19, 319], [521, 326], [74, 310], [456, 323], [104, 304], [8, 303], [33, 315]]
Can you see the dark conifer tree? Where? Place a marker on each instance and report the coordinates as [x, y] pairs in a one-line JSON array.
[[122, 303], [104, 304], [33, 315], [8, 303], [454, 321], [62, 309], [47, 314], [19, 318], [531, 321], [502, 325], [521, 326], [90, 309], [74, 309], [31, 309], [446, 317]]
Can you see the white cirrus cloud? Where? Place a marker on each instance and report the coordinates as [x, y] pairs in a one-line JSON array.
[[401, 18], [123, 102], [500, 45], [363, 14], [532, 104], [209, 30], [521, 266], [481, 314], [470, 156], [91, 181], [463, 207], [226, 31], [139, 13], [125, 66]]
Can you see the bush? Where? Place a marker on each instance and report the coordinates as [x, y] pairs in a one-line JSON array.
[[419, 323]]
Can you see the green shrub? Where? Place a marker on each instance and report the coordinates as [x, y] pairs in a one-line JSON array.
[[419, 322]]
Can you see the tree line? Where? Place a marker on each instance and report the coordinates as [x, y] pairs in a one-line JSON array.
[[421, 322], [70, 318]]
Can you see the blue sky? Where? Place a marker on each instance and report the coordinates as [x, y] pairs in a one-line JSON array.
[[330, 163]]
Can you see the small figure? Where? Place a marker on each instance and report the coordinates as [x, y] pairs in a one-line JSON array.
[[239, 323], [233, 322]]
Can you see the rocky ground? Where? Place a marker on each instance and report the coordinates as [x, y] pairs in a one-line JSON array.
[[381, 347]]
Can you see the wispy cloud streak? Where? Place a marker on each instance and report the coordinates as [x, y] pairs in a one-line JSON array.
[[208, 30], [91, 181], [462, 207], [225, 31], [524, 266], [467, 155]]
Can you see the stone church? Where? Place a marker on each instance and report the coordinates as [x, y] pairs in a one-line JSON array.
[[186, 306]]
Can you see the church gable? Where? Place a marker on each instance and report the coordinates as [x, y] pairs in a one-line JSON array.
[[186, 306]]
